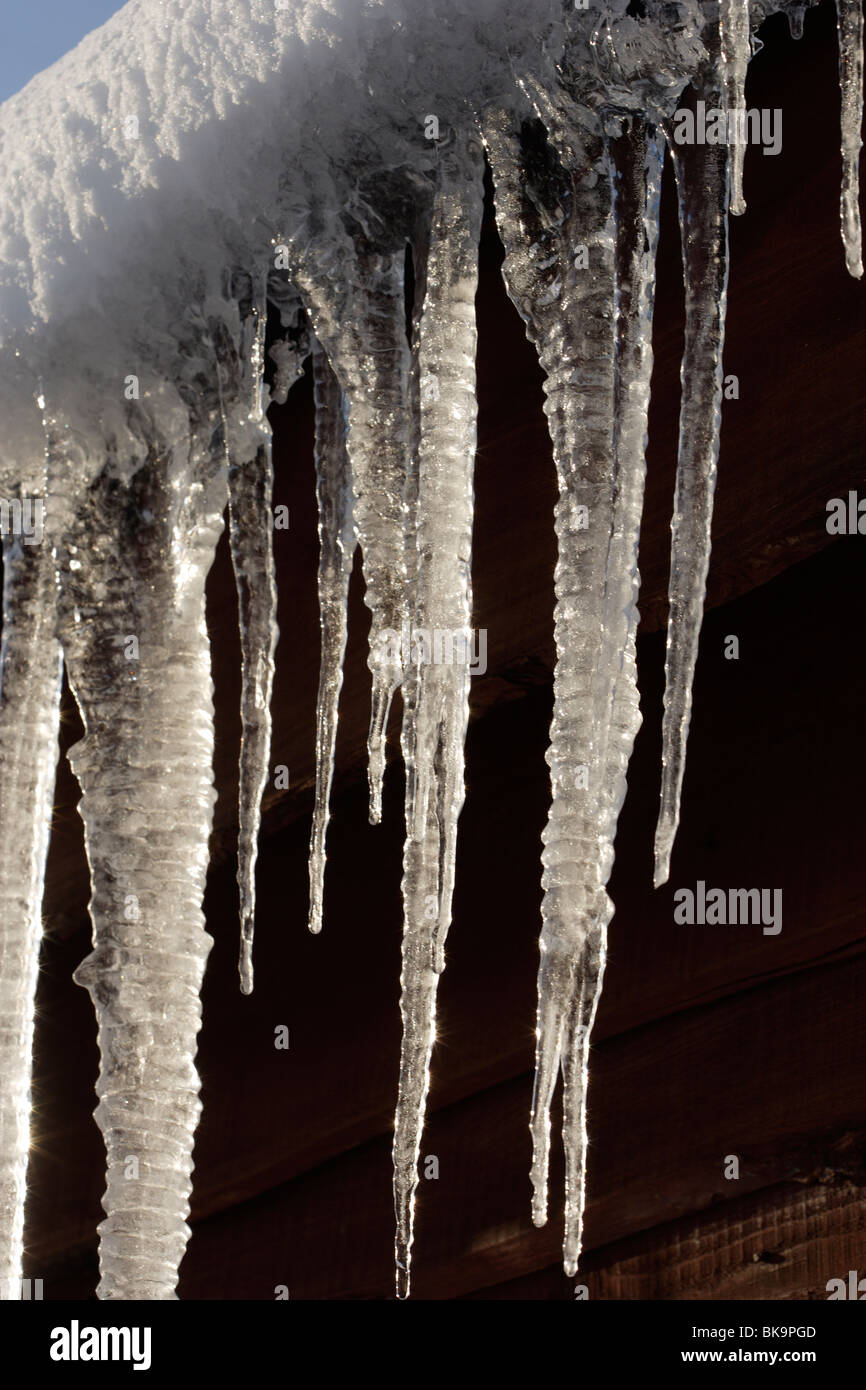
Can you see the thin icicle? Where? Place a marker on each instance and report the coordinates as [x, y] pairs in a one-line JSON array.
[[420, 252], [735, 51], [30, 675], [849, 20], [702, 193], [251, 485], [363, 330], [251, 532], [436, 692], [337, 539], [637, 156]]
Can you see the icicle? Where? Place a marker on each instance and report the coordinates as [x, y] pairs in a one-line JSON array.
[[559, 270], [133, 561], [365, 339], [250, 492], [702, 192], [575, 909], [564, 276], [795, 21], [849, 22], [735, 51], [637, 155], [337, 538], [637, 160], [251, 485], [30, 674], [436, 690]]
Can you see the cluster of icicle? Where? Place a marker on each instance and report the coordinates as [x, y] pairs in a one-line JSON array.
[[158, 197]]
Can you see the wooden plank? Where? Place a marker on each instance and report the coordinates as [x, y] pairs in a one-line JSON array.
[[669, 1103], [785, 1242]]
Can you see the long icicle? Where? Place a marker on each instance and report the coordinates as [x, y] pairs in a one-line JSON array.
[[735, 51], [557, 227], [251, 486], [637, 162], [136, 646], [30, 675], [337, 539], [849, 21], [564, 272], [638, 156], [579, 404], [702, 193], [436, 692], [363, 331]]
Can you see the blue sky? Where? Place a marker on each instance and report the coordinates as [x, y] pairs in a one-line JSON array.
[[35, 33]]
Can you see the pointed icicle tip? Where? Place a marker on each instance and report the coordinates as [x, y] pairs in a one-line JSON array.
[[336, 549], [539, 1212], [662, 869], [702, 194], [666, 834], [735, 51], [251, 485], [245, 961]]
